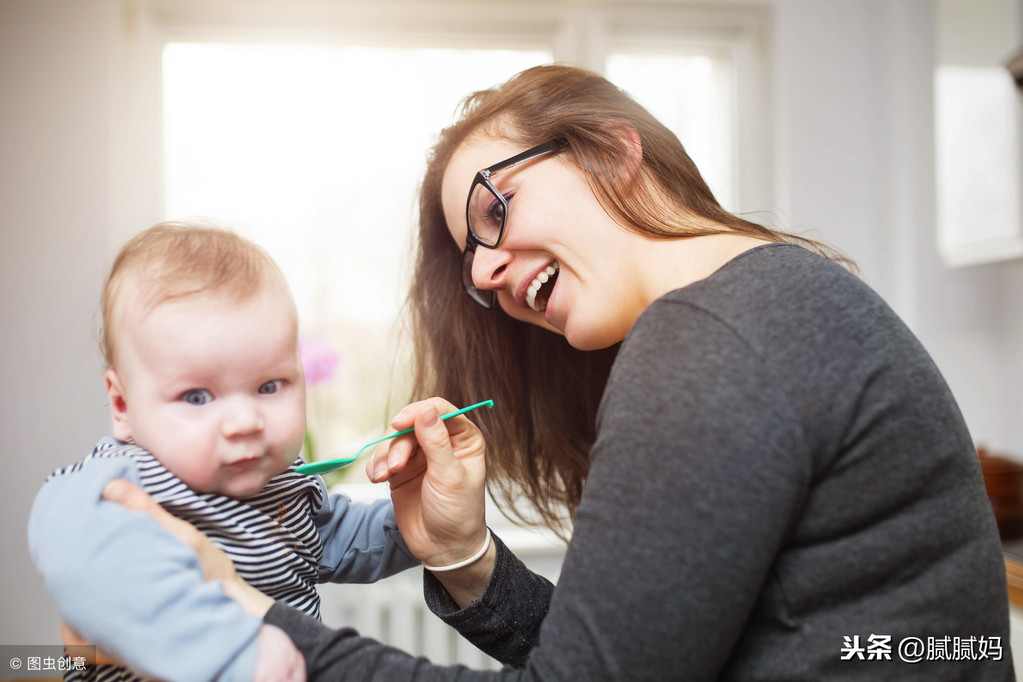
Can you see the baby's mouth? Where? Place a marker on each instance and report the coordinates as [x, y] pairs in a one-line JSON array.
[[246, 462], [539, 290]]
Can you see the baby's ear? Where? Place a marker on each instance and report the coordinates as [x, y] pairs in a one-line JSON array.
[[118, 405]]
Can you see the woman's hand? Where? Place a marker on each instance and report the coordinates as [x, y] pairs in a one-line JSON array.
[[216, 565], [277, 659], [72, 640], [438, 486]]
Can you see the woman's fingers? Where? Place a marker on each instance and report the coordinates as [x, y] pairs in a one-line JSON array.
[[277, 659], [137, 499], [437, 476], [128, 495], [406, 419], [443, 440], [72, 639], [216, 565], [392, 456], [435, 439]]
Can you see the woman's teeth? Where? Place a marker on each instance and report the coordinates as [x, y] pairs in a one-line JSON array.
[[549, 275]]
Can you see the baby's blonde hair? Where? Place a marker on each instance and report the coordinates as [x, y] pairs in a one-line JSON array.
[[177, 259]]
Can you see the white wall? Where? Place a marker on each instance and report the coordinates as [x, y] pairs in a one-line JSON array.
[[54, 208], [854, 140], [852, 126], [978, 339]]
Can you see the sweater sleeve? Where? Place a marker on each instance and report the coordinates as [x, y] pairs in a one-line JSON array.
[[342, 654], [124, 583], [505, 622], [361, 541]]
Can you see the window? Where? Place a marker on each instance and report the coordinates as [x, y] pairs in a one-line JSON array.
[[315, 152], [304, 126], [697, 105]]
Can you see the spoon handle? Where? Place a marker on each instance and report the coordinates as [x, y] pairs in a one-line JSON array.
[[332, 464]]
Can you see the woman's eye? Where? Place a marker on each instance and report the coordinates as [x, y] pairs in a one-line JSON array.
[[271, 387], [197, 396], [497, 210]]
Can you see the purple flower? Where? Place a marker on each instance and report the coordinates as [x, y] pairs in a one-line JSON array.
[[319, 359]]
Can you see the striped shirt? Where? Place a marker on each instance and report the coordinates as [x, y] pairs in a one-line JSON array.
[[271, 537]]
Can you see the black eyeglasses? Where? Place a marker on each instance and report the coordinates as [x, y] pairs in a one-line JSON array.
[[486, 215]]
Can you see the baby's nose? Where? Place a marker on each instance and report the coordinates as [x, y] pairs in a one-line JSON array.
[[243, 418]]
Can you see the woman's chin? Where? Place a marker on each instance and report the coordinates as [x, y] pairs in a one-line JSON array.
[[584, 341], [591, 336]]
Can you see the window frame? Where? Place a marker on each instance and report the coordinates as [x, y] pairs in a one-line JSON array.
[[576, 33]]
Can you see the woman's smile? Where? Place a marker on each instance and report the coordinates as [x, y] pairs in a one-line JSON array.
[[562, 262], [539, 289]]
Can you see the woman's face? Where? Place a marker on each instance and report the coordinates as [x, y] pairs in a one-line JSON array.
[[555, 225]]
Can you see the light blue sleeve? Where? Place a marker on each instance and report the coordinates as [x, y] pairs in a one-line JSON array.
[[128, 586], [361, 541]]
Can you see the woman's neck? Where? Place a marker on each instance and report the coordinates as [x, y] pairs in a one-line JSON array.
[[674, 264]]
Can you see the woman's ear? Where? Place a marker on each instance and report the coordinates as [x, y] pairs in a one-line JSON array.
[[118, 406], [632, 146]]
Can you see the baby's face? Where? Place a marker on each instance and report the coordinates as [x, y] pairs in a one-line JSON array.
[[214, 389]]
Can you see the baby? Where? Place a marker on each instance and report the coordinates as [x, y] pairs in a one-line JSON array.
[[200, 337]]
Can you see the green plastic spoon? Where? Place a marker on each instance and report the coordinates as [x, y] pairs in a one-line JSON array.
[[332, 464]]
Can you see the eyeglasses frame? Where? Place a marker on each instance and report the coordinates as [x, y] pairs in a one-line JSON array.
[[472, 240]]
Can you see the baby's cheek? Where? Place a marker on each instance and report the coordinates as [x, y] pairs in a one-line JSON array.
[[295, 437], [199, 474]]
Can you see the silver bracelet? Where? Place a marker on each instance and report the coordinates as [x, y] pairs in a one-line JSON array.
[[461, 564]]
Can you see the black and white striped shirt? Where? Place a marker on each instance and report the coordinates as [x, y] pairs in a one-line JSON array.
[[271, 537]]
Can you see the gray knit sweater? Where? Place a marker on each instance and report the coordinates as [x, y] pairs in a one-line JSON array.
[[782, 488]]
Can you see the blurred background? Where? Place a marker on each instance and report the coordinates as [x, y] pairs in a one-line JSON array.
[[888, 129]]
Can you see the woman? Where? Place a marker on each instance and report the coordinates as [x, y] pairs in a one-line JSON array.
[[763, 473]]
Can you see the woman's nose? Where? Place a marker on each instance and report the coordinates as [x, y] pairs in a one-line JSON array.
[[243, 418], [490, 267]]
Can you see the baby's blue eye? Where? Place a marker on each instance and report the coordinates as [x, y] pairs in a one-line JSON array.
[[197, 396], [270, 387]]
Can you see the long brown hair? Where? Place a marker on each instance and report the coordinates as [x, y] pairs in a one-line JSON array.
[[546, 393]]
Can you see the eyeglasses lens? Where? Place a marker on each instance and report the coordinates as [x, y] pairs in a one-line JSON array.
[[484, 298], [487, 211]]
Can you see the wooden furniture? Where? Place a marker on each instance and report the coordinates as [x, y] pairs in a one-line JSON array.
[[1003, 478], [1014, 576]]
